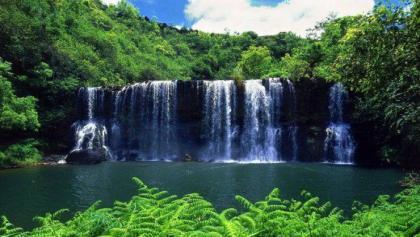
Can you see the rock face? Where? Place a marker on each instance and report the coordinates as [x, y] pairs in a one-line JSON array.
[[87, 157]]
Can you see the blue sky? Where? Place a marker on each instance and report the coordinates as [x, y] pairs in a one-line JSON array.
[[220, 15]]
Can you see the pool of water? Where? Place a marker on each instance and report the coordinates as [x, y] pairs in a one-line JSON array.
[[27, 192]]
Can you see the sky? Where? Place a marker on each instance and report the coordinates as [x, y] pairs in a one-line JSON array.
[[265, 17]]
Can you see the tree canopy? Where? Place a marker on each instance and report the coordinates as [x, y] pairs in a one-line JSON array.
[[16, 113]]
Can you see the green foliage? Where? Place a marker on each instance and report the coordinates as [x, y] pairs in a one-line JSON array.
[[255, 62], [411, 180], [293, 68], [156, 213], [20, 154], [8, 229], [16, 113], [377, 57]]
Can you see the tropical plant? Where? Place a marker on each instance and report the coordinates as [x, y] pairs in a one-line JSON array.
[[156, 213]]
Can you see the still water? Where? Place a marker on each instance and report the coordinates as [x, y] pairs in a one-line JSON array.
[[27, 192]]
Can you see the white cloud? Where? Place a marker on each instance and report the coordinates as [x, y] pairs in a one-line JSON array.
[[297, 16], [178, 26], [110, 2]]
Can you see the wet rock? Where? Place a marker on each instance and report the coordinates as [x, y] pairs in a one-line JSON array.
[[87, 157], [53, 158], [187, 158]]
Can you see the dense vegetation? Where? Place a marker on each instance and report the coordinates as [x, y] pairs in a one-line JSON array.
[[50, 48], [156, 213], [16, 114]]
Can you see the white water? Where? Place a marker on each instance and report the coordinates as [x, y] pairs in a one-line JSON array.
[[91, 134], [141, 122], [339, 145], [218, 109], [276, 99], [150, 124], [258, 138]]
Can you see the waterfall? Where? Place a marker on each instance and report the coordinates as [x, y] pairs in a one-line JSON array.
[[219, 104], [275, 129], [91, 133], [146, 112], [338, 95], [164, 117], [276, 91], [292, 128], [258, 141], [90, 136], [115, 128], [254, 121], [91, 98], [339, 145]]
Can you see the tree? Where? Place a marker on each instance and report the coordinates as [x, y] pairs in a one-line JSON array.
[[378, 59], [16, 113], [255, 62], [293, 68], [205, 68]]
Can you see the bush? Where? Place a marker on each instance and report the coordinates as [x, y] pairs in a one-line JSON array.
[[21, 154]]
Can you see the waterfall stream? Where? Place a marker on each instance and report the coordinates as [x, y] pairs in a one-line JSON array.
[[222, 121], [219, 107], [91, 133], [144, 121], [258, 137], [339, 145]]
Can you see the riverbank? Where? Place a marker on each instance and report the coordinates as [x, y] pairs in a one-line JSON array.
[[51, 160]]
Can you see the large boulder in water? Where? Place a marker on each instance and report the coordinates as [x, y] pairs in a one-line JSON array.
[[88, 156]]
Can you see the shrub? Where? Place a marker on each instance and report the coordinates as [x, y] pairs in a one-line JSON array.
[[21, 154]]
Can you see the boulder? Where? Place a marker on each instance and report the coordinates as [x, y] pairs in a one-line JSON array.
[[87, 157], [187, 158]]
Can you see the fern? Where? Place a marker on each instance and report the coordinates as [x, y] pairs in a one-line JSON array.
[[8, 229], [153, 212]]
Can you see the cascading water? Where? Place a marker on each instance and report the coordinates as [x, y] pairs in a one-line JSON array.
[[283, 128], [276, 91], [91, 134], [339, 145], [144, 125], [292, 128], [258, 137], [219, 108], [252, 121], [275, 129]]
